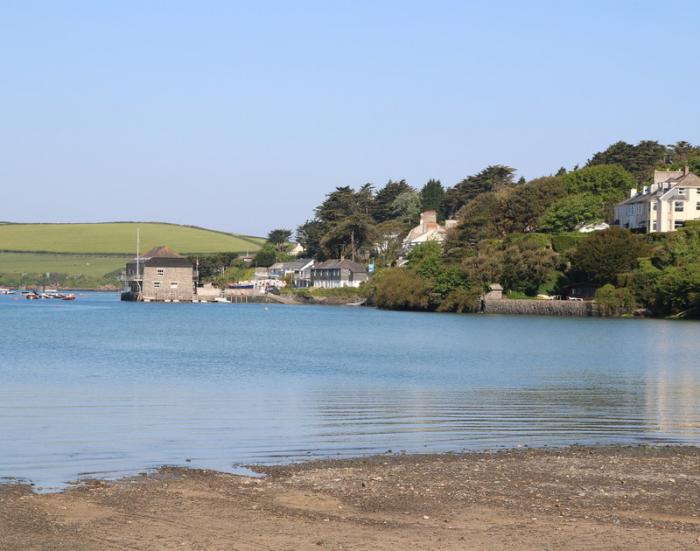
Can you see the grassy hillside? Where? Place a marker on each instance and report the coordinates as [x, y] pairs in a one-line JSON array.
[[119, 238], [91, 254], [69, 264]]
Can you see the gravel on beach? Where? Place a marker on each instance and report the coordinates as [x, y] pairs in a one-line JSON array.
[[580, 497]]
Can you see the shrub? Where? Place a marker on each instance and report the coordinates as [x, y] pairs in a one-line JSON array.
[[614, 301]]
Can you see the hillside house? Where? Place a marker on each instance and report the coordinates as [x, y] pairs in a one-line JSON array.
[[333, 274], [160, 274], [671, 200], [427, 230]]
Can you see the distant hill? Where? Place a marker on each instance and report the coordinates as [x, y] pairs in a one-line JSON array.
[[91, 255], [120, 238]]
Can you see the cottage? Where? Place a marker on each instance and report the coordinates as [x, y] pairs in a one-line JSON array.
[[160, 274], [427, 230], [671, 200], [333, 274], [298, 271]]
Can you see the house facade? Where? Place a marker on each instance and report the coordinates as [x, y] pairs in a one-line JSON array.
[[671, 200], [298, 271], [427, 230], [160, 274], [333, 274]]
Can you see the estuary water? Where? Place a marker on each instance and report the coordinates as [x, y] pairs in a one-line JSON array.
[[102, 388]]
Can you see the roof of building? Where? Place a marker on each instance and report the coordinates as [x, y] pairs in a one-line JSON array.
[[495, 287], [292, 265], [661, 188], [161, 251], [163, 257], [335, 264]]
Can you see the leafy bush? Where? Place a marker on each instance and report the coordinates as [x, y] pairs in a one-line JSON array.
[[614, 301]]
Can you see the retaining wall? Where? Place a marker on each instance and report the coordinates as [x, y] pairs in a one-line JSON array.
[[542, 307]]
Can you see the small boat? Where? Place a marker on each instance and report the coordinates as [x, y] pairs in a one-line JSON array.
[[32, 296], [6, 292], [69, 296]]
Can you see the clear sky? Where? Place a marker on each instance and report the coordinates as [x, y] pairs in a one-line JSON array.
[[241, 116]]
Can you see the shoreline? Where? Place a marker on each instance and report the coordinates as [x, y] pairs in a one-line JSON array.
[[578, 497]]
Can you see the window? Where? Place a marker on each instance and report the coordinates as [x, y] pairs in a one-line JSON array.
[[160, 271], [697, 205], [173, 284], [681, 191], [653, 206], [156, 284], [678, 206], [677, 224], [653, 226]]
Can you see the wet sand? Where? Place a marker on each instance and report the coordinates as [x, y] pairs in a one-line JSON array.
[[573, 498]]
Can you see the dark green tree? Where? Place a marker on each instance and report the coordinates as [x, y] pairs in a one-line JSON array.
[[433, 196], [383, 206], [492, 178], [603, 256], [279, 238]]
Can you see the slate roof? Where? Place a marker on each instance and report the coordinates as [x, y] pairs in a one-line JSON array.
[[341, 264]]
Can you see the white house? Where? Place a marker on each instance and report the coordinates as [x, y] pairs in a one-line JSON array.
[[427, 230], [670, 201], [333, 274]]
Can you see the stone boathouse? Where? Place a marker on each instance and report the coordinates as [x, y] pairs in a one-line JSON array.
[[160, 274]]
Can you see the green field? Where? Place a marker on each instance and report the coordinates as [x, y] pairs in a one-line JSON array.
[[69, 264], [119, 238]]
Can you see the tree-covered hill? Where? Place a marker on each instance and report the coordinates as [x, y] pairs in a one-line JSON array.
[[521, 234]]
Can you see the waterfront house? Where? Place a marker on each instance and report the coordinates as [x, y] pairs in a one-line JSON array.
[[298, 271], [160, 274], [427, 230], [671, 200], [333, 274]]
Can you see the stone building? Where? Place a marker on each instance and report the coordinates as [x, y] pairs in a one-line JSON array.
[[160, 274], [671, 200]]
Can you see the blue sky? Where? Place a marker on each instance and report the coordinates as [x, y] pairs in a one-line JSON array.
[[241, 116]]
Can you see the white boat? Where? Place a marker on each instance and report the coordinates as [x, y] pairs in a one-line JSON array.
[[6, 292]]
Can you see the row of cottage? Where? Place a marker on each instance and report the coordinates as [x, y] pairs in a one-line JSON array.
[[162, 274], [672, 199]]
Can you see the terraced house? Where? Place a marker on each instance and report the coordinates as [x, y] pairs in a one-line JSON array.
[[160, 274], [671, 200]]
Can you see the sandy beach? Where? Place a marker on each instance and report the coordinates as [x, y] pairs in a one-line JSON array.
[[573, 498]]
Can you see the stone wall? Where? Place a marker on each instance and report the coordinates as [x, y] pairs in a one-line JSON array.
[[167, 283], [542, 307]]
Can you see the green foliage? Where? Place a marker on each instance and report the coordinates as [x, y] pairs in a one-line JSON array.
[[604, 255], [563, 242], [461, 300], [571, 211], [407, 207], [611, 182], [614, 301], [279, 237], [212, 265], [492, 178], [400, 289], [426, 259], [383, 205], [639, 160], [433, 196], [265, 257]]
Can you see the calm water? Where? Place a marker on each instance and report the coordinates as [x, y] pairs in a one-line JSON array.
[[100, 387]]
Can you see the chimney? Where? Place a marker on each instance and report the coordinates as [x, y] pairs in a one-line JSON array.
[[685, 169], [428, 220], [633, 192]]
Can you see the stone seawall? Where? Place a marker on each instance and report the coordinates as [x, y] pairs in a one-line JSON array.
[[542, 307]]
